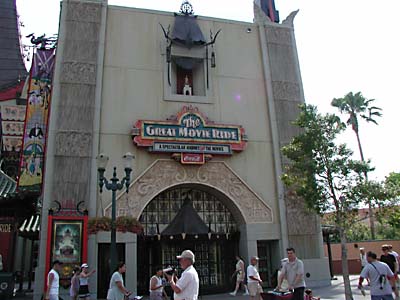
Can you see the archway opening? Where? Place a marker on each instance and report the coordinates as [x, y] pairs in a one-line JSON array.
[[215, 249]]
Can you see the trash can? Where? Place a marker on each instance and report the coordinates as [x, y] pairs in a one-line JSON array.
[[7, 283]]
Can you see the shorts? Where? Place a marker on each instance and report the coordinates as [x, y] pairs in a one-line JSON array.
[[254, 288], [384, 297], [53, 297], [156, 296], [240, 277], [83, 291]]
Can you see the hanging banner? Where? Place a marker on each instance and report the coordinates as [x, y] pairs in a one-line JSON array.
[[36, 122]]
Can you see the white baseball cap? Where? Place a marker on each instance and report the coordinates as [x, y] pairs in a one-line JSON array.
[[85, 265], [186, 254]]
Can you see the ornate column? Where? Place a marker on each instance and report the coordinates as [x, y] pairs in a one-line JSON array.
[[73, 128]]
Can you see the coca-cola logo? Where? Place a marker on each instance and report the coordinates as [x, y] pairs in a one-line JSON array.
[[192, 158]]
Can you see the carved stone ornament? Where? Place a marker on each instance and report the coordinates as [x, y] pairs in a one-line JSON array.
[[290, 18], [164, 174]]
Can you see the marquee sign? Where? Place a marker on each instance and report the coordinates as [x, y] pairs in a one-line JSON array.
[[191, 134]]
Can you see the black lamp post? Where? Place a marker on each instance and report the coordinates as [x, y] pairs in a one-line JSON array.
[[114, 185]]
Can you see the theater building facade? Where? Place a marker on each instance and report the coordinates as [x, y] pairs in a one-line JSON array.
[[205, 106]]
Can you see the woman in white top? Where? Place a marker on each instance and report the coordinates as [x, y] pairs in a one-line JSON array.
[[240, 275], [156, 286], [84, 282], [117, 290]]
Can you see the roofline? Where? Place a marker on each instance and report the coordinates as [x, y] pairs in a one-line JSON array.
[[169, 13]]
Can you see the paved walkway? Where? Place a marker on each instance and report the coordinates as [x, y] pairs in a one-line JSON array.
[[335, 291]]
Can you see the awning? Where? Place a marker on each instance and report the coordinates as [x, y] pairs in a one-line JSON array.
[[7, 185], [30, 228], [187, 32], [187, 221]]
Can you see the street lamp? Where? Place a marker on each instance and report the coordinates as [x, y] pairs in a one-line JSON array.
[[114, 185]]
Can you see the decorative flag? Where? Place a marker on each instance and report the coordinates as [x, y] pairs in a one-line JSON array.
[[36, 121], [268, 6]]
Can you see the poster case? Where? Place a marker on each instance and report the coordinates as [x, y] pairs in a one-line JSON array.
[[66, 242]]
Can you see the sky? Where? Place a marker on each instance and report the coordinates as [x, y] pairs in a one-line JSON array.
[[343, 46]]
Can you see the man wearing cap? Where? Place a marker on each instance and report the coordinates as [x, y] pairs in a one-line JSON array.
[[391, 261], [253, 279], [293, 271], [53, 281], [187, 287]]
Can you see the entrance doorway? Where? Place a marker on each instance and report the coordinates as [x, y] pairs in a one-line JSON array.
[[214, 249]]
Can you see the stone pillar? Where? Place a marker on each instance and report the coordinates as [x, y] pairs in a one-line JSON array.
[[131, 262], [300, 228], [73, 127], [93, 257]]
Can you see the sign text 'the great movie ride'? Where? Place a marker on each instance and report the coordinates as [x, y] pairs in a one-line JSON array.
[[189, 134]]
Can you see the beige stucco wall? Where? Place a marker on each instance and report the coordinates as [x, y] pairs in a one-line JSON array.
[[133, 89]]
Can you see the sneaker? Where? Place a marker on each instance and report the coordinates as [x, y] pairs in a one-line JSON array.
[[246, 293], [233, 294]]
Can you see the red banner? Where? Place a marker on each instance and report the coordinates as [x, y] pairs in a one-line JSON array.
[[36, 122]]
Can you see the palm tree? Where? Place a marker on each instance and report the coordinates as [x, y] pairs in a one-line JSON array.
[[357, 106]]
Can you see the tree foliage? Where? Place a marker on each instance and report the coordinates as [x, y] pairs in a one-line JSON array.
[[388, 214], [324, 174], [356, 105], [320, 170]]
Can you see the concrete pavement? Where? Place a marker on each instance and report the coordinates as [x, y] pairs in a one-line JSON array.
[[335, 291]]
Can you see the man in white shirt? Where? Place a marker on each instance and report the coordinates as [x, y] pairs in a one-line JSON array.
[[53, 281], [187, 287], [253, 279], [379, 275]]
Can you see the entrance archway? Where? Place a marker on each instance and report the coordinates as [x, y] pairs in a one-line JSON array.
[[244, 203], [216, 179], [215, 247]]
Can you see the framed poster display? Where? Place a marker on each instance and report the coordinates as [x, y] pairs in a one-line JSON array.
[[67, 242]]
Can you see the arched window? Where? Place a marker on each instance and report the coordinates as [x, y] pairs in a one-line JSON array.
[[163, 208]]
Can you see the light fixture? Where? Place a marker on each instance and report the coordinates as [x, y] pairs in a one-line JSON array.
[[102, 161], [114, 184], [169, 56], [183, 235], [213, 64], [248, 30], [128, 160]]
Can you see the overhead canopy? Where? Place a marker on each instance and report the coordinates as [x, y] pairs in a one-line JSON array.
[[186, 221], [187, 31], [7, 185]]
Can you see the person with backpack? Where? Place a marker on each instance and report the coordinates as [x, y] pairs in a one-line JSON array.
[[380, 277]]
